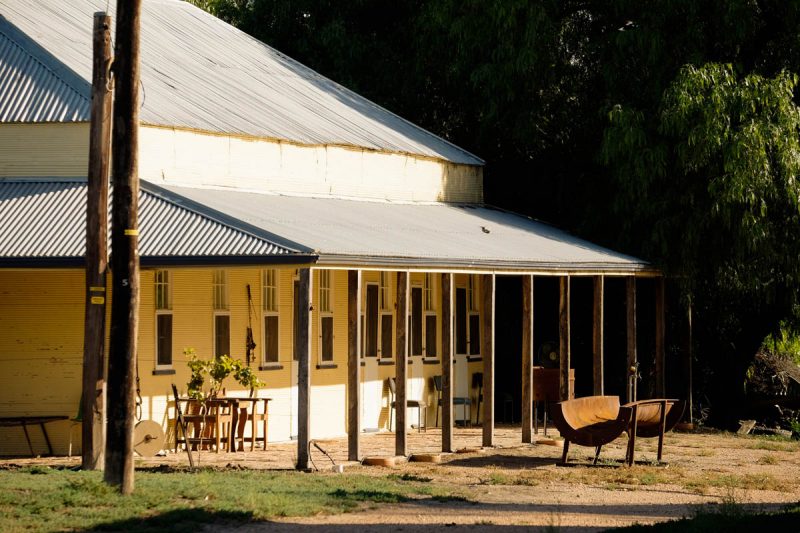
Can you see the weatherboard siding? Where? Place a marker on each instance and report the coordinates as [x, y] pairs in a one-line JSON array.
[[44, 150], [41, 353]]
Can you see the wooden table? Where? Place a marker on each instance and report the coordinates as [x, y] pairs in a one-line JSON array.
[[25, 421], [238, 424], [251, 415]]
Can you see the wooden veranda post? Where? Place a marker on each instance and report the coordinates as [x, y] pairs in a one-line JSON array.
[[401, 365], [124, 246], [565, 354], [303, 341], [689, 357], [527, 358], [353, 364], [633, 363], [660, 345], [447, 363], [597, 336], [487, 306], [93, 391]]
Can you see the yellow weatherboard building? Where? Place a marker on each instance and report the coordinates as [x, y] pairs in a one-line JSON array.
[[267, 191]]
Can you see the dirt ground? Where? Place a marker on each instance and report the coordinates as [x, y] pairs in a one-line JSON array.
[[521, 486]]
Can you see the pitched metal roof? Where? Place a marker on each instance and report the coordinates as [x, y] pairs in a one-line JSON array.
[[44, 222], [409, 234], [197, 72], [30, 91]]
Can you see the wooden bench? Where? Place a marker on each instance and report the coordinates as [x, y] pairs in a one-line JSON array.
[[25, 421]]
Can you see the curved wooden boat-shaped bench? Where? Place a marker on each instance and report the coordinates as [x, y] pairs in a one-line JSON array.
[[590, 421], [652, 418]]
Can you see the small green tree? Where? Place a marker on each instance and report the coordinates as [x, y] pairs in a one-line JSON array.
[[217, 369]]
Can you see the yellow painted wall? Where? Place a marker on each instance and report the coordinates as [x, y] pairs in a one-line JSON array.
[[41, 331], [44, 150], [41, 353]]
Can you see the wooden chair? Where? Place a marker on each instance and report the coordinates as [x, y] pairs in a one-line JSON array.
[[477, 383], [421, 405], [464, 401], [211, 420], [258, 419]]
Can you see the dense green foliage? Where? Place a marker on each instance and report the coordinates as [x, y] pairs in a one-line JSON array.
[[667, 128]]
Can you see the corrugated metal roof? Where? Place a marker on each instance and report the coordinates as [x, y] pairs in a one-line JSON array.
[[362, 232], [199, 72], [46, 220], [30, 91]]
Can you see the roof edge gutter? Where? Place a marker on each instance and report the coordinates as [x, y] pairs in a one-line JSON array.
[[510, 267], [154, 261]]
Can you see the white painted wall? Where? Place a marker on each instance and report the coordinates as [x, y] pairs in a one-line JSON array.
[[188, 158]]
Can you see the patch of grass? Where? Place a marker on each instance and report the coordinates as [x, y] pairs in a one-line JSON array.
[[43, 499], [703, 483], [768, 459], [497, 478], [722, 518], [705, 452], [774, 443]]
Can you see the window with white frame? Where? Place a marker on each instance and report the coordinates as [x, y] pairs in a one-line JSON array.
[[222, 317], [163, 300], [386, 319], [422, 318], [415, 320], [325, 317], [269, 308], [429, 299], [474, 321]]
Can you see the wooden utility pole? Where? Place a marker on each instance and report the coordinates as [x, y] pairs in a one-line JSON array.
[[124, 247], [94, 332]]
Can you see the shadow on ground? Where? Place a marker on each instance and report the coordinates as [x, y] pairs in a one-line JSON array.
[[180, 521], [518, 462]]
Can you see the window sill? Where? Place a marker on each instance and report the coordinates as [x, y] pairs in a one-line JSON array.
[[386, 362], [164, 372], [271, 366], [474, 358], [431, 362], [323, 366]]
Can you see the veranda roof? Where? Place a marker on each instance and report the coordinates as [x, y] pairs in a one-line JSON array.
[[43, 223], [353, 232]]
